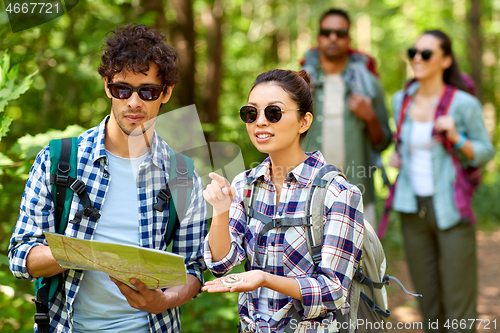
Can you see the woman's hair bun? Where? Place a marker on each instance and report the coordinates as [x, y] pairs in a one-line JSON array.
[[304, 75]]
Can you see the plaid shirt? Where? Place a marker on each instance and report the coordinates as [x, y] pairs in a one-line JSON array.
[[37, 216], [284, 252]]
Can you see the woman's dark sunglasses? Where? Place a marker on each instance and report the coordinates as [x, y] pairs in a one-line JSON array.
[[273, 113], [149, 92], [340, 33], [425, 54]]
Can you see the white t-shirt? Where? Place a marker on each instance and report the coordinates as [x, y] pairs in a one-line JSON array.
[[333, 143], [421, 158], [99, 305]]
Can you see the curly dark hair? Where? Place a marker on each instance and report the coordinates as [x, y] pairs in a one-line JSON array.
[[135, 47]]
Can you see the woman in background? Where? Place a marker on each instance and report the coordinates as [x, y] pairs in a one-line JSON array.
[[440, 244]]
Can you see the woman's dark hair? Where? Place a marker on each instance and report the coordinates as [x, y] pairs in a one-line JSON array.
[[296, 84], [135, 47], [451, 75]]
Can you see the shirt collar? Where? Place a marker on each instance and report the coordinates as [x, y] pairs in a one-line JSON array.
[[99, 150], [303, 173], [412, 89]]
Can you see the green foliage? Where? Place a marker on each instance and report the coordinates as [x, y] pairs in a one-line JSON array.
[[16, 308], [208, 313], [12, 303], [10, 91]]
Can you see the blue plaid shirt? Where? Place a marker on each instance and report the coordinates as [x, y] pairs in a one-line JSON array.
[[283, 251], [37, 216]]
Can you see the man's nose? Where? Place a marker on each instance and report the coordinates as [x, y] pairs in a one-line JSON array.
[[333, 36], [134, 101]]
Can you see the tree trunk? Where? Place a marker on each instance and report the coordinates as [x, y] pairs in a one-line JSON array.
[[184, 40], [155, 6], [475, 45], [214, 19]]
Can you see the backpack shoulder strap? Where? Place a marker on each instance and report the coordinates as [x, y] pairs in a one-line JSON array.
[[249, 194], [63, 164], [177, 192], [314, 208], [63, 173], [63, 169]]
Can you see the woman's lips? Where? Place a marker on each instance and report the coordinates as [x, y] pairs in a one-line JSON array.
[[264, 137]]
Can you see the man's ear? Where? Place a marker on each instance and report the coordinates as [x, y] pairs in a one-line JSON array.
[[167, 94], [306, 122], [108, 93]]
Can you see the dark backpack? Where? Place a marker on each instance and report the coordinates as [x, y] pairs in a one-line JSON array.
[[64, 183]]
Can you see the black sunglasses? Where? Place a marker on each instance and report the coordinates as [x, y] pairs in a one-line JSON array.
[[425, 54], [273, 113], [340, 33], [148, 92]]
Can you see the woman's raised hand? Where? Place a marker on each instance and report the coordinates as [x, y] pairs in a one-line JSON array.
[[219, 193], [447, 124]]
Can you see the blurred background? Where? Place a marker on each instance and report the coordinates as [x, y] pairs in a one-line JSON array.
[[53, 89]]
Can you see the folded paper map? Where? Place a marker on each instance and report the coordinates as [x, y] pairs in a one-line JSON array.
[[156, 269]]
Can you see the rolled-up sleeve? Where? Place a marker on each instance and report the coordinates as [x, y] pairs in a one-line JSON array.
[[237, 225], [340, 256], [476, 132], [36, 215], [192, 231]]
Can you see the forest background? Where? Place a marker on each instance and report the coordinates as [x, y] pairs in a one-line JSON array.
[[55, 90]]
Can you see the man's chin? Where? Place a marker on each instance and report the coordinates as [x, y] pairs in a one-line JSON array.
[[138, 130], [334, 56]]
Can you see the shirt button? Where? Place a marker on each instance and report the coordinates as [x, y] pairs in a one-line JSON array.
[[271, 303], [287, 185], [272, 243], [75, 280], [105, 175]]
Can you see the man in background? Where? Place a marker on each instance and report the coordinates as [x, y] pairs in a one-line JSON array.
[[350, 124]]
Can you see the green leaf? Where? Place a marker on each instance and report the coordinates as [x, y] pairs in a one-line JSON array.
[[4, 260], [28, 146], [5, 160], [4, 126], [4, 69], [11, 92], [13, 72]]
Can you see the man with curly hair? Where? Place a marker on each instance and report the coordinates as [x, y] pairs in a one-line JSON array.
[[123, 163]]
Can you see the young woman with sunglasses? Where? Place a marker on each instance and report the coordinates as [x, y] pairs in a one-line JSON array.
[[281, 281], [440, 245]]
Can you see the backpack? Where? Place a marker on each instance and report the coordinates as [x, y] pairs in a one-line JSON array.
[[64, 183], [367, 296]]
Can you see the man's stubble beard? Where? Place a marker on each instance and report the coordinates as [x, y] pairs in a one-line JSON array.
[[135, 131], [335, 57]]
